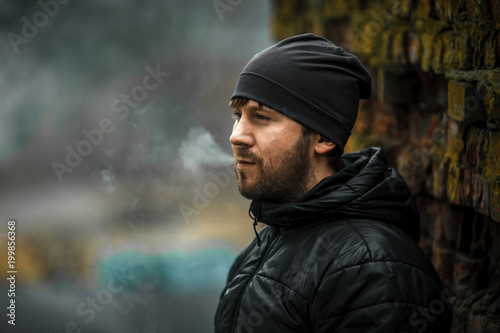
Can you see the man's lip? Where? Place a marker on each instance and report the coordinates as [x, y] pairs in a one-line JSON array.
[[245, 162], [242, 164]]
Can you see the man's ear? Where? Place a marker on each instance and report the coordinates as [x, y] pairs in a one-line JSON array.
[[323, 145]]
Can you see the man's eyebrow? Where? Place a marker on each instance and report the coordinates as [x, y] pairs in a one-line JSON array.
[[260, 107]]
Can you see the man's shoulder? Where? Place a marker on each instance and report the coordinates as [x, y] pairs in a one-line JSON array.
[[350, 242]]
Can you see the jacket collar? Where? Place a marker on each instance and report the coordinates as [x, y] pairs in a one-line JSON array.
[[365, 188]]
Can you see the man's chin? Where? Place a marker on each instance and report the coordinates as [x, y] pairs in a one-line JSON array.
[[247, 190]]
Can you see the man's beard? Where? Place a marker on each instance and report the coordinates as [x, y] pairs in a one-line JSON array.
[[284, 179]]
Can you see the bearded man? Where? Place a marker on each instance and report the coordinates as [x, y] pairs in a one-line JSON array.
[[339, 252]]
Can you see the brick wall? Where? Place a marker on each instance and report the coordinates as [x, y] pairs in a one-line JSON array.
[[436, 111]]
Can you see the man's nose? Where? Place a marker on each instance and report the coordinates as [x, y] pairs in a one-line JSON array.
[[242, 134]]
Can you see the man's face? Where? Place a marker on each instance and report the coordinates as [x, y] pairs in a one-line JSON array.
[[272, 156]]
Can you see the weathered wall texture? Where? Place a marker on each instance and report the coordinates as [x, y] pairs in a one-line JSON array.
[[436, 111]]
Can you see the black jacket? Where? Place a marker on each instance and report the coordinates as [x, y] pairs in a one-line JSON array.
[[344, 258]]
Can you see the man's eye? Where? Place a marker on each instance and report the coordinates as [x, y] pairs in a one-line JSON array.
[[261, 117], [236, 115]]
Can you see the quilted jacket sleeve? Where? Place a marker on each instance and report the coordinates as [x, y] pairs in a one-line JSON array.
[[380, 296]]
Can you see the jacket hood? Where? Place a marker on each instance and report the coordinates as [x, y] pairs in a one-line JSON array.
[[365, 188]]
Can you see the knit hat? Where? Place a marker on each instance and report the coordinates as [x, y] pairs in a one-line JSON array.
[[310, 80]]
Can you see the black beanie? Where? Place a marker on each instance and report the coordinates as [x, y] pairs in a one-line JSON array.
[[310, 80]]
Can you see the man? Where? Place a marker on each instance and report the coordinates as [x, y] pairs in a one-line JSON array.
[[340, 250]]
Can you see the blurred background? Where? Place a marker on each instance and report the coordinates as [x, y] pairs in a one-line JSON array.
[[115, 161]]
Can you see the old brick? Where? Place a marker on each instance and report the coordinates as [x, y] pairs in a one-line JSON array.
[[495, 250], [475, 146], [440, 178], [385, 48], [495, 12], [437, 54], [336, 9], [403, 88], [480, 230], [364, 120], [443, 260], [491, 101], [339, 32], [417, 162], [454, 151], [495, 199], [492, 173], [492, 50], [447, 223], [430, 177], [366, 35], [405, 168], [367, 30], [492, 170], [454, 141], [426, 244], [450, 10], [425, 51], [283, 27], [288, 8], [384, 16], [472, 147], [313, 22], [457, 50], [428, 208], [481, 194], [462, 47], [482, 323], [399, 8], [479, 34], [484, 304], [478, 10], [466, 269], [398, 51], [455, 175], [497, 48], [442, 9], [466, 188], [384, 120], [410, 41], [464, 240], [450, 56], [425, 9], [431, 93], [463, 104]]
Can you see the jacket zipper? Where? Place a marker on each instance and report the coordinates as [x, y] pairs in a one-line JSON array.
[[240, 298]]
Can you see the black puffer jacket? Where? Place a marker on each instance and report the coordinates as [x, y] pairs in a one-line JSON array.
[[344, 258]]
